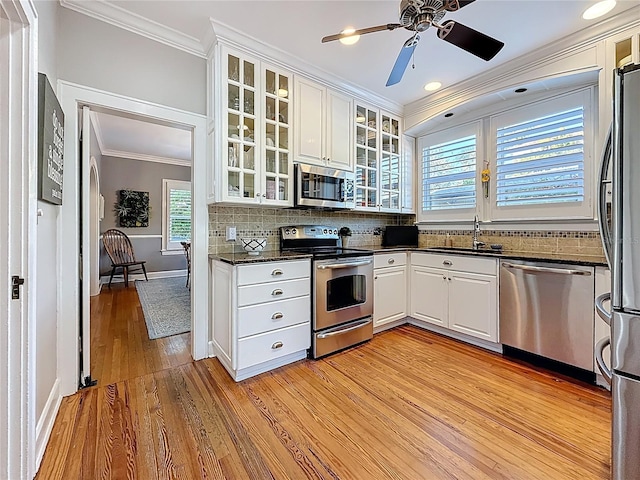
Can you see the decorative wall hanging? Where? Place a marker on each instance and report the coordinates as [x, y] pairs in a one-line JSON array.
[[50, 143], [132, 208]]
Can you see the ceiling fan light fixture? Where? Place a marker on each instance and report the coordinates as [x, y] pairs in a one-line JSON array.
[[350, 39], [432, 86], [598, 9]]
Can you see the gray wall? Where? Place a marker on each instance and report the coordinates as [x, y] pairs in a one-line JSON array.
[[100, 55], [121, 173], [48, 247]]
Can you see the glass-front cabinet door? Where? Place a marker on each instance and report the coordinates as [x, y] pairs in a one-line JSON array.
[[241, 168], [390, 171], [256, 160], [276, 143], [366, 126]]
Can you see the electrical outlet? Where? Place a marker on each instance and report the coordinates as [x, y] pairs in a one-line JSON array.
[[231, 234]]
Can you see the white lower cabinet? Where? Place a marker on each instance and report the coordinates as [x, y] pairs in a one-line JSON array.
[[261, 315], [463, 300], [389, 288]]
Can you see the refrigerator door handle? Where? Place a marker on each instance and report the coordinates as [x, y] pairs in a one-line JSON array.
[[602, 312], [603, 183], [602, 366]]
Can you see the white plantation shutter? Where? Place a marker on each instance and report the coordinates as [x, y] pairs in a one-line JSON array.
[[541, 161], [176, 214], [449, 171]]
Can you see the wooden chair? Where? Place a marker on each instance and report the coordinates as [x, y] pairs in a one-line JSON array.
[[187, 253], [120, 251]]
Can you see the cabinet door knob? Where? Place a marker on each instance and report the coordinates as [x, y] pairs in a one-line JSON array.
[[448, 263], [328, 159], [277, 272], [444, 277], [391, 260], [375, 278], [277, 292], [277, 316], [449, 278], [277, 345]]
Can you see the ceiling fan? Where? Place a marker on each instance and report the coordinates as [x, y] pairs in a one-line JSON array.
[[418, 16]]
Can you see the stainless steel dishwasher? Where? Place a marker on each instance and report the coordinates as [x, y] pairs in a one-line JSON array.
[[547, 309]]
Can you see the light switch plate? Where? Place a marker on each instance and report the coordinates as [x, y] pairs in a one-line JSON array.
[[231, 234]]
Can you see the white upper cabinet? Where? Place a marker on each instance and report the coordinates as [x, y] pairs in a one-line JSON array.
[[322, 125], [378, 160], [253, 164]]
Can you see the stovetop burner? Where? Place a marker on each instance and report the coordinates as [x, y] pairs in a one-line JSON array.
[[318, 240]]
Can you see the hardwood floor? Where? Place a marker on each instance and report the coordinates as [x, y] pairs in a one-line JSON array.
[[407, 405], [120, 345]]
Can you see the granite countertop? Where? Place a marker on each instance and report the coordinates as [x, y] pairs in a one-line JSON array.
[[266, 256], [586, 260]]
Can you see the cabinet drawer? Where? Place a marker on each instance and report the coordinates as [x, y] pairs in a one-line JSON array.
[[461, 263], [273, 271], [269, 292], [397, 259], [271, 345], [270, 316]]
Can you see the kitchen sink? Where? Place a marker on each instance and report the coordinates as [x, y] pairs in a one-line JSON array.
[[466, 250]]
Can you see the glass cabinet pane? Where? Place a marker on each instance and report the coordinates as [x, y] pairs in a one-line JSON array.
[[283, 189], [270, 162], [283, 112], [234, 184], [249, 185], [270, 82], [234, 97], [248, 101], [233, 68], [283, 86], [248, 158], [283, 166], [283, 137], [270, 108], [249, 74]]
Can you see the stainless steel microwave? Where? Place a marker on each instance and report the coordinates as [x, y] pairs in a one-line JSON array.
[[321, 187]]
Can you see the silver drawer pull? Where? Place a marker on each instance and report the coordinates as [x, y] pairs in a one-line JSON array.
[[277, 345], [276, 292], [391, 260], [277, 272], [448, 263], [277, 316]]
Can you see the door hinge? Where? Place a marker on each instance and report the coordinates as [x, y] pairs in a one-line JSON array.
[[16, 281]]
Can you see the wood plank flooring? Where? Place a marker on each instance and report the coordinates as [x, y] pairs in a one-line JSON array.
[[407, 405]]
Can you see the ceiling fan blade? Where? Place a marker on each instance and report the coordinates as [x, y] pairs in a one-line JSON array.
[[453, 5], [362, 31], [471, 40], [403, 60]]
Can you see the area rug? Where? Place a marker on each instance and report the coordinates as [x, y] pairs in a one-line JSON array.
[[166, 304]]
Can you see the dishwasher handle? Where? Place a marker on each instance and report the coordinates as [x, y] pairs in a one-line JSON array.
[[602, 312], [561, 271], [602, 366]]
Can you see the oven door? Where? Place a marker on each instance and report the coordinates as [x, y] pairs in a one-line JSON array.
[[343, 291]]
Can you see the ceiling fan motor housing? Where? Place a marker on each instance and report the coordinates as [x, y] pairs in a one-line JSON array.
[[418, 15]]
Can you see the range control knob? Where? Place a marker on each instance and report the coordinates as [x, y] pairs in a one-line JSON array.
[[335, 231], [286, 232], [294, 231], [324, 231]]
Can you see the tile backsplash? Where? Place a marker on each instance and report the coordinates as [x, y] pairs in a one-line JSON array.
[[265, 222]]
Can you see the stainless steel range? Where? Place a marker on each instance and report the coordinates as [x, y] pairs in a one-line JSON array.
[[342, 287]]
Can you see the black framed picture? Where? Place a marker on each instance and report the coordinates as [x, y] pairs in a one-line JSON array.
[[132, 208]]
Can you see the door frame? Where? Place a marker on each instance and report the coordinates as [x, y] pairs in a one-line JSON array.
[[73, 97], [18, 196], [94, 227]]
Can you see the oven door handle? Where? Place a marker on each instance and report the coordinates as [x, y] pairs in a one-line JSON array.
[[335, 266], [339, 331]]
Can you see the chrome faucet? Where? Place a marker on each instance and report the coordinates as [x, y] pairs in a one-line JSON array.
[[476, 231]]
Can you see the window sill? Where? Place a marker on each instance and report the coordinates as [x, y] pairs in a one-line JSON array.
[[172, 252]]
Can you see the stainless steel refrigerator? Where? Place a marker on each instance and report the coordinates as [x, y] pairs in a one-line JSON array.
[[620, 229]]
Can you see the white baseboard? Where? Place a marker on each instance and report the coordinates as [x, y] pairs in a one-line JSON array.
[[118, 278], [45, 422]]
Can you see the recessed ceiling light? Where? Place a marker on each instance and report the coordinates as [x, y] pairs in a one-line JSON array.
[[520, 90], [431, 86], [599, 9], [447, 115], [351, 39]]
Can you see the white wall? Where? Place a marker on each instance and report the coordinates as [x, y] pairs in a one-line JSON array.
[[100, 55], [48, 248]]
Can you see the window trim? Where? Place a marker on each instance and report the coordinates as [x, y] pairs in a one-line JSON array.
[[171, 248], [584, 97], [442, 136]]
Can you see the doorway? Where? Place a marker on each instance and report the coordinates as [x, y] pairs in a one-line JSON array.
[[74, 97]]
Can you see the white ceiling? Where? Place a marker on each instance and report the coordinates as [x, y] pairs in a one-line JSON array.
[[297, 26]]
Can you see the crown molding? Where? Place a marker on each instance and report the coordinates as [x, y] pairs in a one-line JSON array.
[[146, 158], [275, 56], [119, 17], [510, 73]]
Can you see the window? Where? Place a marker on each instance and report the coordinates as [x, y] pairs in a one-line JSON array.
[[540, 159], [540, 156], [449, 165], [176, 214]]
